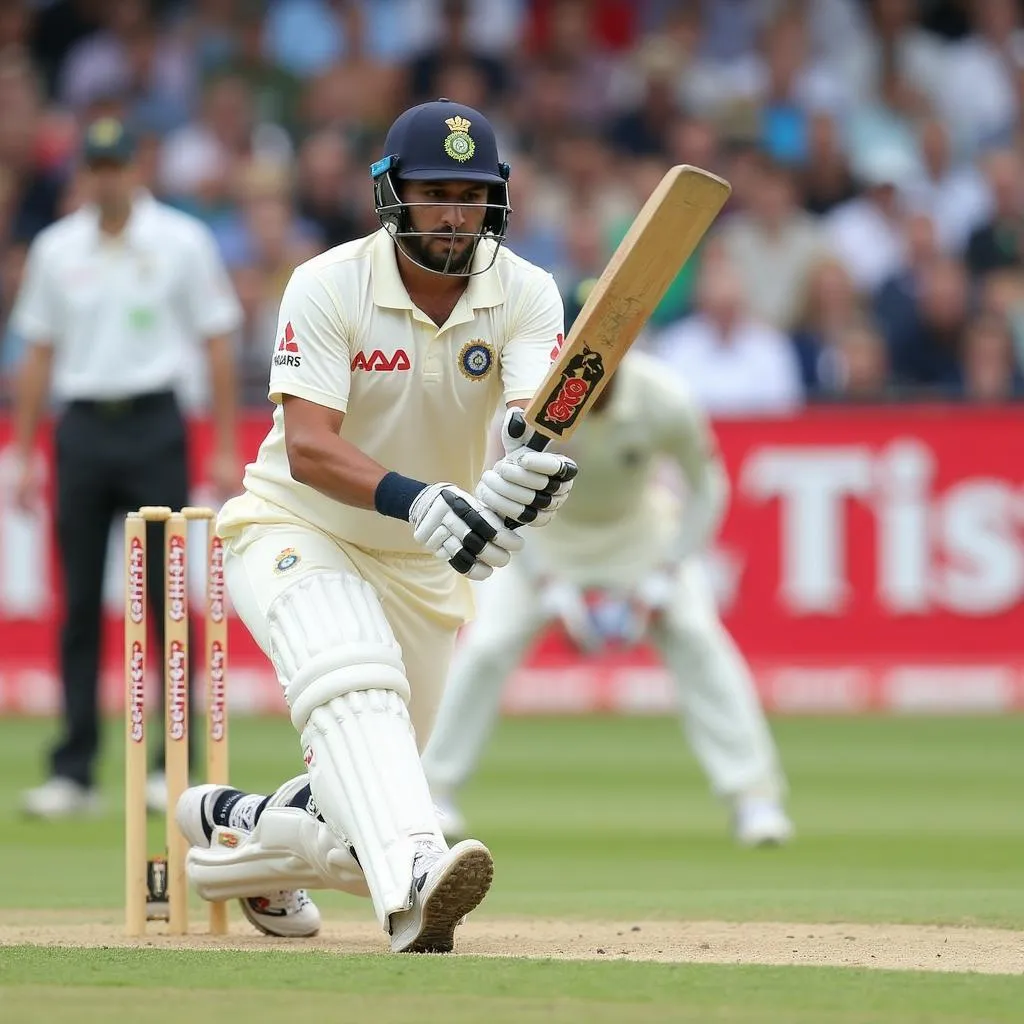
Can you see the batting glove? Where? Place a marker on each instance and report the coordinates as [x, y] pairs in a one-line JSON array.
[[525, 486]]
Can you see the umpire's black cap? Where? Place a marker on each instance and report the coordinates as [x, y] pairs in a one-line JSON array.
[[442, 140]]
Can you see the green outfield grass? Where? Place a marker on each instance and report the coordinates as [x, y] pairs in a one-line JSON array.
[[899, 820]]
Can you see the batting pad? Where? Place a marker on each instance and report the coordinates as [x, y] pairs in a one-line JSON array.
[[366, 777], [288, 849], [329, 635]]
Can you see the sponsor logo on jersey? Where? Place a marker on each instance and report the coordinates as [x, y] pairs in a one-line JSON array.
[[287, 348], [377, 360]]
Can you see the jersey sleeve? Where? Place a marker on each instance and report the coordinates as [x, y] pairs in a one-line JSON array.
[[210, 297], [537, 333], [34, 317], [311, 357]]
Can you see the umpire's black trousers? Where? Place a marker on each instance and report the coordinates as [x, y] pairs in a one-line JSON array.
[[111, 458]]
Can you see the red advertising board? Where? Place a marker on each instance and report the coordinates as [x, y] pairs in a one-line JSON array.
[[871, 559]]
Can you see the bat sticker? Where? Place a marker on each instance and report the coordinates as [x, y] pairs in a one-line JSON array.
[[568, 397]]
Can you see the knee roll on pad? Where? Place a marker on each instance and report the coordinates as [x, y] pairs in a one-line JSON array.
[[329, 636]]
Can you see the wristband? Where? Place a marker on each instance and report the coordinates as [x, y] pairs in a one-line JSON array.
[[395, 494]]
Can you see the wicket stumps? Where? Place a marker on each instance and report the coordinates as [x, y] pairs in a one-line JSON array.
[[157, 889]]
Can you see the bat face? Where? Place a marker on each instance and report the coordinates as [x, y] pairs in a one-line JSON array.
[[661, 239]]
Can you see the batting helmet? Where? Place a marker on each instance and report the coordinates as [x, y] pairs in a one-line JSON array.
[[442, 141]]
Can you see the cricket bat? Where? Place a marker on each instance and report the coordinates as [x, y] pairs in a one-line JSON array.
[[660, 240]]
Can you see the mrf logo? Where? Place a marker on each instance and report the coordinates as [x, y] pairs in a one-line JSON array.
[[177, 705], [377, 360], [176, 594], [567, 398], [287, 353], [136, 582]]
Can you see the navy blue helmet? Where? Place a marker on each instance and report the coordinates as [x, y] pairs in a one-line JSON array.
[[442, 141]]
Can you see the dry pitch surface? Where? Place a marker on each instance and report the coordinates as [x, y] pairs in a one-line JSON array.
[[883, 946]]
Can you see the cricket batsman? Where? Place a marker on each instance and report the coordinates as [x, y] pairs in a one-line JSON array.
[[362, 520], [622, 533]]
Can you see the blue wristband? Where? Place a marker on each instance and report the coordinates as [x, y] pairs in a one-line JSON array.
[[395, 494]]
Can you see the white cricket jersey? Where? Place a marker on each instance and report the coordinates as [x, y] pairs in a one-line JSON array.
[[417, 398], [124, 314], [623, 517]]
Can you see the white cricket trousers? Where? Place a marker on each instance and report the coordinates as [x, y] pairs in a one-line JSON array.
[[721, 714], [415, 592]]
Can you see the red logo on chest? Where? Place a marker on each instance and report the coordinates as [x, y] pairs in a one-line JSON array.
[[377, 360]]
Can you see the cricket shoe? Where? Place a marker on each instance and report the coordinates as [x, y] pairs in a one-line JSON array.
[[761, 822], [446, 886], [287, 913], [60, 797]]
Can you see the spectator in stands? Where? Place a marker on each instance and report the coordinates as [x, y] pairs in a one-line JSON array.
[[990, 369], [201, 160], [999, 242], [955, 195], [276, 92], [325, 185], [773, 244], [825, 178], [980, 82], [858, 370], [895, 303], [132, 58], [454, 43], [830, 306], [927, 351], [868, 232], [734, 365]]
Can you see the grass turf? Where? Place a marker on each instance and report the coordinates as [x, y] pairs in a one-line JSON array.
[[910, 820]]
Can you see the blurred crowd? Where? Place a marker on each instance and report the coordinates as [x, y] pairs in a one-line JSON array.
[[873, 247]]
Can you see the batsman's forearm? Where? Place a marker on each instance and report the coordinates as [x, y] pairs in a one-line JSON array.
[[335, 468], [223, 392], [32, 389]]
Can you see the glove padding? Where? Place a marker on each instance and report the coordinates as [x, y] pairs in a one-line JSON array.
[[459, 529], [525, 486]]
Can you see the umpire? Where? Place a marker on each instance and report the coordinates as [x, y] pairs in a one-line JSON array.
[[113, 297]]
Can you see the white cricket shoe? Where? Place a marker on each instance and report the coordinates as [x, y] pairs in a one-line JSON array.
[[447, 885], [287, 913], [60, 798], [761, 822], [450, 819]]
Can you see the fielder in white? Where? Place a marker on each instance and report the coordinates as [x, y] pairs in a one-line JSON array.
[[622, 531], [364, 517]]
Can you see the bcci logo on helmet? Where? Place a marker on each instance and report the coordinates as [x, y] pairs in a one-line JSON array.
[[459, 145]]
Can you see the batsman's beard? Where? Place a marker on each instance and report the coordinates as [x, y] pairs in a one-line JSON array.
[[442, 259]]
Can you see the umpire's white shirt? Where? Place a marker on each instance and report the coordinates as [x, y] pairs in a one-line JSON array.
[[124, 314]]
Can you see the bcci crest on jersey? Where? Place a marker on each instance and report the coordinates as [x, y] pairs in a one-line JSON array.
[[286, 560], [476, 359]]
